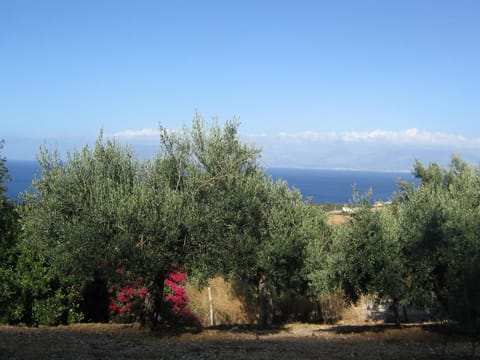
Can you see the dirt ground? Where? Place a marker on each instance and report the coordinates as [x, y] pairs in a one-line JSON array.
[[294, 341]]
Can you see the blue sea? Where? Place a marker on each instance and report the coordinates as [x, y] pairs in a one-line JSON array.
[[323, 186], [21, 173], [336, 186]]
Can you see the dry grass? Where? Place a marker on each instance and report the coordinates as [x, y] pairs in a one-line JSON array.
[[354, 314], [233, 305], [230, 300]]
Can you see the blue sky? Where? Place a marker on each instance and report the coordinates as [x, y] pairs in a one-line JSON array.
[[326, 84]]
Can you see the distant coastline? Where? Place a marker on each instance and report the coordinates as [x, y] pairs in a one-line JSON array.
[[393, 171]]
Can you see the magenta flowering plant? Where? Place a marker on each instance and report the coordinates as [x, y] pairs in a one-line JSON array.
[[127, 297], [175, 296]]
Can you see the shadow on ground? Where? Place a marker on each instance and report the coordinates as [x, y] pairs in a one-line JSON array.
[[359, 329], [236, 329], [433, 328], [248, 329]]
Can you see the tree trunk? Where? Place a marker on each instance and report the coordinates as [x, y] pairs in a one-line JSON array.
[[27, 316], [395, 312], [319, 317], [154, 302], [264, 303]]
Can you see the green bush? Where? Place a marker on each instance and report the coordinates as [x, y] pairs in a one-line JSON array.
[[57, 309]]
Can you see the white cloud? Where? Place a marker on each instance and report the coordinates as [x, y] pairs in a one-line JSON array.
[[412, 136], [376, 150], [408, 136], [136, 133]]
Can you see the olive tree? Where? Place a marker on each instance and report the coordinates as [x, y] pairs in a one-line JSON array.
[[361, 257], [235, 221], [77, 222], [9, 231], [441, 226]]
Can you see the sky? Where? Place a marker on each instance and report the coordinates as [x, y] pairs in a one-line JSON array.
[[321, 84]]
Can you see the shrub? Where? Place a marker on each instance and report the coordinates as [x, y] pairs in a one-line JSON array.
[[60, 308], [128, 297], [126, 300], [177, 300]]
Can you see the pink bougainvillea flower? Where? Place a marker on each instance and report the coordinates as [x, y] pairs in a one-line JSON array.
[[179, 278], [128, 294]]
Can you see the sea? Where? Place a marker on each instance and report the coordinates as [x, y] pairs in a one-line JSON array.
[[336, 186], [322, 186]]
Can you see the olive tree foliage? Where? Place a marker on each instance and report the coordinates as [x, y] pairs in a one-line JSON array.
[[99, 210], [9, 231], [424, 247], [219, 183], [441, 226], [235, 221], [79, 220], [361, 257], [291, 225], [3, 175], [213, 182]]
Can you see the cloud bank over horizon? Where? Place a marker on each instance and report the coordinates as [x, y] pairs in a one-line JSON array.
[[408, 136], [378, 149], [411, 135]]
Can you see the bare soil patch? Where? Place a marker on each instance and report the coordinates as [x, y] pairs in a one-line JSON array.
[[336, 219], [293, 341]]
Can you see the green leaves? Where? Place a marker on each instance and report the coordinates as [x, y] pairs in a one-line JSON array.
[[3, 175], [444, 217], [9, 251]]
